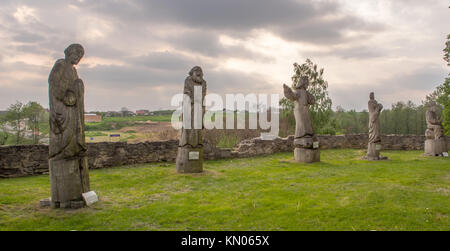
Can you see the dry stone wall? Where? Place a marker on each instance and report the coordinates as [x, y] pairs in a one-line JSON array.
[[27, 160]]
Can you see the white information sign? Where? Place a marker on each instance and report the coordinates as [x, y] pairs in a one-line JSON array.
[[90, 198], [316, 144], [194, 155]]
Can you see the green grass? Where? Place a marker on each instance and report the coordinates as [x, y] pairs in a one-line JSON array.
[[116, 123], [156, 118], [228, 141], [408, 192], [95, 134]]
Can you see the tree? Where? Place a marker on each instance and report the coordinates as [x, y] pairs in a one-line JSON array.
[[34, 112], [444, 91], [321, 111], [15, 117], [3, 131]]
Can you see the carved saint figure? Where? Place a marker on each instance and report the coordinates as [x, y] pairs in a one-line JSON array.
[[435, 130], [193, 136], [302, 100], [374, 122], [67, 161]]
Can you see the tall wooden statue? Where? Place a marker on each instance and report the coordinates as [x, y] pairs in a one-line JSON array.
[[69, 175], [190, 149], [306, 145], [374, 146], [435, 143]]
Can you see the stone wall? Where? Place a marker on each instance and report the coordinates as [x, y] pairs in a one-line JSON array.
[[26, 160], [255, 147]]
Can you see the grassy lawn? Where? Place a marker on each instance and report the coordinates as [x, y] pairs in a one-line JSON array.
[[408, 192]]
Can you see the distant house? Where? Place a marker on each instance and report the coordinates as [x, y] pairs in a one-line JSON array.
[[90, 117], [113, 114], [142, 112], [128, 113]]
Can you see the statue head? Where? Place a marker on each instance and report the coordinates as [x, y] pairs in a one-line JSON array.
[[196, 74], [303, 82], [432, 106], [372, 96], [74, 53]]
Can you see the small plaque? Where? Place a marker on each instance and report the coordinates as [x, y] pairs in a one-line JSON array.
[[378, 147], [90, 198], [194, 155], [316, 144], [445, 154]]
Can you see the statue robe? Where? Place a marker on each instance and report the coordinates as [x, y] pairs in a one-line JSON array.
[[66, 92], [434, 125], [302, 99], [193, 137], [374, 122]]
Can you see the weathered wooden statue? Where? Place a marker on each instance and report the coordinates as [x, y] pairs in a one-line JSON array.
[[374, 146], [306, 145], [190, 149], [69, 174], [435, 143]]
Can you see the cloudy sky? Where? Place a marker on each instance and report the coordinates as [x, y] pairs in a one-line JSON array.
[[138, 52]]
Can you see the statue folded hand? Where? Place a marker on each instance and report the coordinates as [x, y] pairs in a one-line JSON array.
[[70, 99]]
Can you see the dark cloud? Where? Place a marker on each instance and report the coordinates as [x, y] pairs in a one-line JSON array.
[[293, 20], [208, 43], [163, 61]]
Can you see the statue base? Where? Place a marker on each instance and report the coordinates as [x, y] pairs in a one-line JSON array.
[[373, 152], [189, 159], [306, 155], [435, 147], [69, 178]]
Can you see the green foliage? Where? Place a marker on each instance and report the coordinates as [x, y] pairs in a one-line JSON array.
[[228, 140], [321, 111], [4, 135], [15, 117], [342, 192], [444, 89], [444, 100], [447, 50], [35, 114]]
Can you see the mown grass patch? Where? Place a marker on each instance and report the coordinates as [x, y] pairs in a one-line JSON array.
[[342, 192]]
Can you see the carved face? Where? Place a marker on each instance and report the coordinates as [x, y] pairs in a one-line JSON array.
[[74, 53], [197, 74], [372, 96], [74, 57], [433, 108]]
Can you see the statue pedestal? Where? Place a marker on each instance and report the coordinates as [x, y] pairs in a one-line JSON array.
[[190, 159], [306, 150], [69, 178], [306, 155], [435, 147], [373, 152]]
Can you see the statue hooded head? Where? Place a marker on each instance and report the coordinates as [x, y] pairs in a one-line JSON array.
[[432, 106], [196, 73], [372, 96], [303, 82], [74, 53]]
